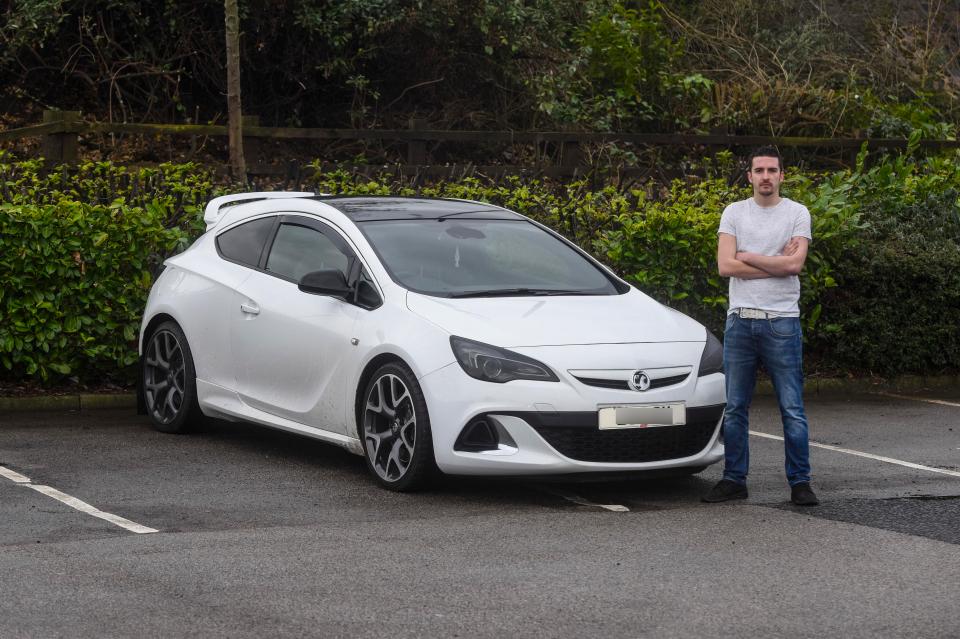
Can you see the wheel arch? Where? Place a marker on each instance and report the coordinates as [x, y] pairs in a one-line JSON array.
[[151, 327]]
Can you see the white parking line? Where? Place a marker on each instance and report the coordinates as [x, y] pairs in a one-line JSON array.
[[858, 453], [75, 503], [921, 399], [14, 476], [617, 508]]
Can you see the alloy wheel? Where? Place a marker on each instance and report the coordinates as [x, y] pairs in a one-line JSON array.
[[164, 377], [390, 427]]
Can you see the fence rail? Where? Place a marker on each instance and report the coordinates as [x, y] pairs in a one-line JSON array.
[[61, 130]]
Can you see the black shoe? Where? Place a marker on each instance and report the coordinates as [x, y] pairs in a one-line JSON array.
[[802, 495], [725, 490]]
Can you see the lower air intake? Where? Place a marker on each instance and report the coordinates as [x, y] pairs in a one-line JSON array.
[[631, 445]]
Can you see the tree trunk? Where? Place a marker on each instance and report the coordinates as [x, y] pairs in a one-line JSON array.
[[238, 167]]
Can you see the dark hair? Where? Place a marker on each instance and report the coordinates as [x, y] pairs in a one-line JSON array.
[[765, 152]]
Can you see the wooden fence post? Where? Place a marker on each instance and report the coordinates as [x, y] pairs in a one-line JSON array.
[[571, 154], [417, 149], [252, 147], [61, 148]]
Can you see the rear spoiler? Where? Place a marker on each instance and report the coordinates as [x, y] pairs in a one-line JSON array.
[[215, 209]]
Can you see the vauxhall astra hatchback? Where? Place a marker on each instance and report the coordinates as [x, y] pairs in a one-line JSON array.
[[426, 335]]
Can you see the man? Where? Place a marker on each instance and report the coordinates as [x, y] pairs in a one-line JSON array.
[[762, 247]]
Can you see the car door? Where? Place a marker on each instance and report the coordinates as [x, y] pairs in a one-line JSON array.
[[291, 348]]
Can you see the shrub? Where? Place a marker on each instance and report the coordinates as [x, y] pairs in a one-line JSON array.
[[897, 309], [78, 250], [880, 291], [73, 282]]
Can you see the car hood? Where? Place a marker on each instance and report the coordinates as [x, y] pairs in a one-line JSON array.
[[556, 321]]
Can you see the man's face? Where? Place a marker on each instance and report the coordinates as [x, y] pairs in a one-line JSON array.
[[765, 176]]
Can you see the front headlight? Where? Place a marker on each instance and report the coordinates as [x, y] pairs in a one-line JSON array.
[[712, 359], [491, 364]]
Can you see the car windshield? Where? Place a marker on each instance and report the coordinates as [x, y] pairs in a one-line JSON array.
[[457, 257]]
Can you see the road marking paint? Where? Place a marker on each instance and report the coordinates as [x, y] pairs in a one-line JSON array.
[[858, 453], [14, 476], [921, 399], [617, 508], [84, 507], [75, 503]]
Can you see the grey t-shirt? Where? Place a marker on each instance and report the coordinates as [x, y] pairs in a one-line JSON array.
[[766, 230]]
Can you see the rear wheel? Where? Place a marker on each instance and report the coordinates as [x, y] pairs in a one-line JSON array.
[[395, 428], [170, 381]]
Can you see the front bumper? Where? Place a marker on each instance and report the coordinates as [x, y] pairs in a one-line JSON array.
[[554, 428]]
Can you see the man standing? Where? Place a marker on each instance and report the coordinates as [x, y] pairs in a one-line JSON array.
[[762, 247]]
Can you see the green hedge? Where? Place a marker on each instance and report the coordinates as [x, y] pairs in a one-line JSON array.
[[899, 308], [73, 282], [78, 250], [880, 291]]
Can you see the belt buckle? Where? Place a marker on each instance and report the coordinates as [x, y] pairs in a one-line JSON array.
[[752, 313]]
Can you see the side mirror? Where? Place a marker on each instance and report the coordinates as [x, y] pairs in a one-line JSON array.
[[330, 282]]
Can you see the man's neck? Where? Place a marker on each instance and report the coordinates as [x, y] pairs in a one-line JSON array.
[[767, 201]]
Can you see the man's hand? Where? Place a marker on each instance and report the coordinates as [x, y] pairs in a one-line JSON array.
[[791, 247]]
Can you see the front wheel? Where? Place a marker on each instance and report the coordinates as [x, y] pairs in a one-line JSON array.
[[170, 381], [395, 428]]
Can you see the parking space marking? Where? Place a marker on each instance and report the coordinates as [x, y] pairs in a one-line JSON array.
[[84, 507], [889, 460], [75, 503], [580, 501], [14, 476], [921, 399]]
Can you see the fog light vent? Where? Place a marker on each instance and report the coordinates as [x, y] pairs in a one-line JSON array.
[[477, 436]]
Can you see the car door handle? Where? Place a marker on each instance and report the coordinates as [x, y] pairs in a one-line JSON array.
[[250, 309]]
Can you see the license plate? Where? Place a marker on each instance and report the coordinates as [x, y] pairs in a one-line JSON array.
[[646, 416]]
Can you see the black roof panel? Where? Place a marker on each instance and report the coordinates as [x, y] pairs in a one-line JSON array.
[[372, 208]]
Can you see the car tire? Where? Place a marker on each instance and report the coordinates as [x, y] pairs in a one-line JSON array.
[[395, 430], [169, 381]]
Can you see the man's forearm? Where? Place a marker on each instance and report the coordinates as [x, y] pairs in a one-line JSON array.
[[773, 265], [740, 269]]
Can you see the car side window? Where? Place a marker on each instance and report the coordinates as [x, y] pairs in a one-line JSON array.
[[298, 250], [244, 243]]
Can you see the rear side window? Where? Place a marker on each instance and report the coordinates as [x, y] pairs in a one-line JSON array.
[[244, 243]]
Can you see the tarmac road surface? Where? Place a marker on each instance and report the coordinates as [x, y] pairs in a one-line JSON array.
[[262, 534]]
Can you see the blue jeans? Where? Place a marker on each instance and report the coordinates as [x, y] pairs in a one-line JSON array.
[[777, 344]]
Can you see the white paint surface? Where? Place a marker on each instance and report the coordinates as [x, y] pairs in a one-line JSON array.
[[13, 476], [84, 507], [921, 399], [617, 508], [888, 460], [75, 503]]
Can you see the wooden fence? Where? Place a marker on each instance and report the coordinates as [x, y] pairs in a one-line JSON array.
[[61, 130]]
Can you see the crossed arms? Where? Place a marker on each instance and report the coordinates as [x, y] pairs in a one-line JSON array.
[[753, 266]]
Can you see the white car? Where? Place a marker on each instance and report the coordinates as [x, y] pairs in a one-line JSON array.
[[426, 334]]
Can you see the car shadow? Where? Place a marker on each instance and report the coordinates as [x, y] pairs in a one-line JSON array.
[[638, 492]]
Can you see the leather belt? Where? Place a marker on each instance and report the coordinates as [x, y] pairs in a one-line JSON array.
[[755, 313]]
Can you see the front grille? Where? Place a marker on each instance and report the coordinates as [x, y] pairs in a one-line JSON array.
[[618, 384], [621, 384], [628, 445]]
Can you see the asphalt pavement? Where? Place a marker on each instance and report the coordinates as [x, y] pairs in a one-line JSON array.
[[261, 533]]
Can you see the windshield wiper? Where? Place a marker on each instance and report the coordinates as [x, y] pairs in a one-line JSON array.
[[444, 217], [520, 292]]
